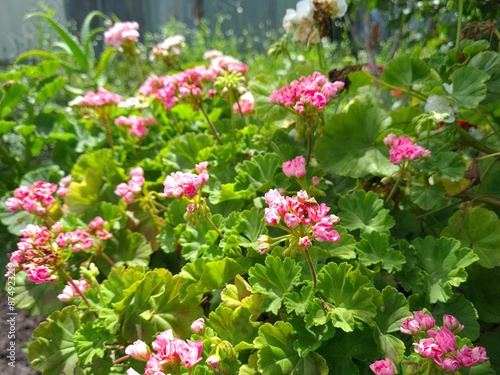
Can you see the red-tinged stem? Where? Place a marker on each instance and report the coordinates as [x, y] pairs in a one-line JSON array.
[[311, 267]]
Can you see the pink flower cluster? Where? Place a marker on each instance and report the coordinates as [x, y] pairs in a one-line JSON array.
[[32, 199], [36, 255], [403, 148], [69, 292], [308, 93], [96, 228], [228, 63], [440, 343], [101, 98], [133, 187], [189, 86], [122, 34], [180, 184], [138, 125], [76, 240], [304, 212], [295, 168], [170, 352]]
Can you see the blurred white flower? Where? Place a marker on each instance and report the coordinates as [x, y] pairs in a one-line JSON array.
[[333, 8], [304, 11], [441, 107]]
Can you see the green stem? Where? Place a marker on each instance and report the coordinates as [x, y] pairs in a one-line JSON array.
[[393, 190], [320, 55], [176, 123], [459, 25], [107, 259], [489, 156], [471, 141], [311, 267], [212, 127], [309, 146], [290, 58]]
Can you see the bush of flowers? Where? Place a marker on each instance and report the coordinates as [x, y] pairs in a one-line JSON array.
[[199, 217]]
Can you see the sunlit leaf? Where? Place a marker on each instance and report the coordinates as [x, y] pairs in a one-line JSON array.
[[233, 325], [363, 210], [484, 239], [90, 341], [53, 351], [374, 248], [352, 142], [469, 87]]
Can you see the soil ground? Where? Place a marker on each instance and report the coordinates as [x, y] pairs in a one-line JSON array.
[[23, 328]]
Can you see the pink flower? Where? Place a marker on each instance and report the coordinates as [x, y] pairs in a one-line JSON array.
[[403, 149], [470, 356], [308, 94], [305, 242], [383, 367], [138, 125], [445, 339], [452, 324], [450, 364], [426, 321], [133, 187], [198, 326], [40, 274], [410, 326], [69, 292], [33, 199], [295, 168], [213, 361], [139, 350], [101, 98], [189, 352], [315, 180], [428, 348], [179, 184], [122, 33]]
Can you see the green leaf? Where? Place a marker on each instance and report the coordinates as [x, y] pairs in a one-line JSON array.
[[260, 171], [489, 62], [464, 311], [405, 71], [363, 210], [489, 341], [345, 288], [240, 294], [127, 247], [235, 326], [185, 149], [37, 299], [309, 338], [264, 109], [77, 51], [53, 351], [447, 164], [50, 89], [427, 197], [485, 300], [469, 87], [90, 341], [352, 143], [374, 248], [389, 346], [484, 239], [274, 278], [392, 310], [297, 303], [48, 55], [346, 347], [248, 225], [12, 95], [445, 261], [167, 310], [277, 356], [203, 275], [6, 126]]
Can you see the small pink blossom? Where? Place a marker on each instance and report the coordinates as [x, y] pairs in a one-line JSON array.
[[245, 104], [40, 274], [213, 361], [426, 321], [189, 352], [452, 324], [101, 98], [198, 326], [450, 364], [133, 187], [179, 184], [315, 180], [428, 348], [69, 292], [295, 168], [139, 350], [33, 199], [383, 367]]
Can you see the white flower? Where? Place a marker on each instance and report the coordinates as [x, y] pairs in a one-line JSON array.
[[306, 33], [442, 108], [304, 11]]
